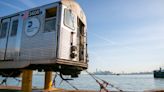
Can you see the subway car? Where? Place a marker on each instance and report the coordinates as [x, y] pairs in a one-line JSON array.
[[52, 37]]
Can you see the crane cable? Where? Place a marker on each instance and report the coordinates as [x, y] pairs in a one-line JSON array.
[[66, 80], [54, 80], [4, 81], [104, 83], [102, 87]]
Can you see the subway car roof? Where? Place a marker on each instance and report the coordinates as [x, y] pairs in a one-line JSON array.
[[70, 4], [75, 7]]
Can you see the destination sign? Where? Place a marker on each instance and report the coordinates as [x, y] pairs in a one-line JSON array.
[[34, 12]]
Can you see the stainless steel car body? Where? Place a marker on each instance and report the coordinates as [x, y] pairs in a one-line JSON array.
[[26, 43]]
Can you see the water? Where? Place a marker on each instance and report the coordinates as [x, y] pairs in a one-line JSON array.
[[124, 82]]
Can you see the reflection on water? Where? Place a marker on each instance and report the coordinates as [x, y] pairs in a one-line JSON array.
[[124, 82]]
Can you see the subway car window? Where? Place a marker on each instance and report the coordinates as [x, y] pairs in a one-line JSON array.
[[3, 31], [14, 28], [69, 19], [50, 25], [50, 19]]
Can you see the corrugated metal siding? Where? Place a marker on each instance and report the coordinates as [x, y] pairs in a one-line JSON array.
[[38, 47], [65, 44]]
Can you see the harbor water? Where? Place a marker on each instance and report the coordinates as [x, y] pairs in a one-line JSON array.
[[124, 82]]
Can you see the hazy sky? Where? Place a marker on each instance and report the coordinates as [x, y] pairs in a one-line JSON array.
[[123, 35]]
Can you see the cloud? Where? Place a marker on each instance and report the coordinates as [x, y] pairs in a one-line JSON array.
[[10, 5], [28, 3], [104, 39]]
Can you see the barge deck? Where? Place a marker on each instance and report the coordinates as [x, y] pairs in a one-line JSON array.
[[18, 89]]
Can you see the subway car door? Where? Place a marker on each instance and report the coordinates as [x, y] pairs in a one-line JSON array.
[[3, 37], [80, 30], [11, 41], [7, 38]]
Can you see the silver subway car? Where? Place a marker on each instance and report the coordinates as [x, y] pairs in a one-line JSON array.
[[51, 38]]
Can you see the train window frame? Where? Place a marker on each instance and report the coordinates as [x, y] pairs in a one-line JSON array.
[[66, 24], [14, 32], [3, 35], [49, 18]]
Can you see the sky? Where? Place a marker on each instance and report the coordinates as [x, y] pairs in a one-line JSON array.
[[123, 35]]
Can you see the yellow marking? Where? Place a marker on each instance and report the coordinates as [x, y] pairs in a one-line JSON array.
[[48, 80], [27, 81]]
